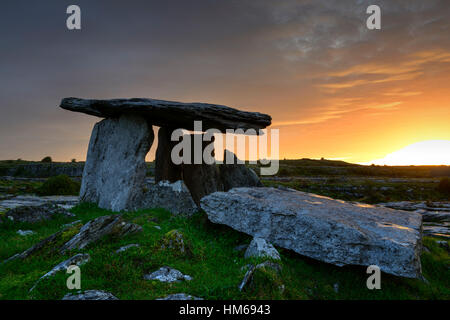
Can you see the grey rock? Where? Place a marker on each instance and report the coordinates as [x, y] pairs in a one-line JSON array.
[[25, 232], [90, 295], [414, 205], [171, 113], [269, 265], [434, 216], [125, 248], [237, 174], [248, 277], [78, 260], [167, 274], [37, 247], [71, 223], [33, 214], [97, 229], [179, 296], [261, 248], [158, 227], [114, 174], [201, 180], [174, 197], [431, 212], [437, 229], [322, 228], [28, 201], [174, 240]]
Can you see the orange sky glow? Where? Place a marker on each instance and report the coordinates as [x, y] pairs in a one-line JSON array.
[[334, 88]]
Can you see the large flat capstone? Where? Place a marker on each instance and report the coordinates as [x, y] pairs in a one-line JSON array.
[[171, 113], [322, 228]]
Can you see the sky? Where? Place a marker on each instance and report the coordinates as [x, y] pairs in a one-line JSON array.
[[334, 88]]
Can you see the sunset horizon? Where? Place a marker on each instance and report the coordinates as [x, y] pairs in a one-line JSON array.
[[238, 158], [334, 88]]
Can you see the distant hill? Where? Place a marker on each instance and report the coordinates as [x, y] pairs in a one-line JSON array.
[[324, 167], [297, 167]]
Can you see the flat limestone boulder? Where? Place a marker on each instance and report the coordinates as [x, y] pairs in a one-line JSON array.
[[171, 113], [322, 228], [90, 295], [37, 247], [33, 214], [179, 296], [78, 260], [115, 169], [65, 202], [174, 197], [98, 228], [167, 274]]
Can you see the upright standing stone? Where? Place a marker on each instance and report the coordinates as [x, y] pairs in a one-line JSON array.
[[165, 169], [201, 179], [114, 173], [237, 175]]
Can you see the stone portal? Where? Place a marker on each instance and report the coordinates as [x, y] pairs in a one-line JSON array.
[[114, 174]]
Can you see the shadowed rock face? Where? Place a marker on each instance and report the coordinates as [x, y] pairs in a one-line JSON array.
[[237, 175], [171, 113], [200, 179], [165, 169], [174, 197], [322, 228], [114, 173]]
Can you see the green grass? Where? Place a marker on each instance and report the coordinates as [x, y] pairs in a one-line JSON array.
[[18, 187], [216, 268]]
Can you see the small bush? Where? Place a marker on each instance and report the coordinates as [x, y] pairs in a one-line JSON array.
[[444, 186], [47, 159], [73, 160], [59, 185]]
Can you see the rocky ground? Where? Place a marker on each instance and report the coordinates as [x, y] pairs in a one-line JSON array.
[[152, 254]]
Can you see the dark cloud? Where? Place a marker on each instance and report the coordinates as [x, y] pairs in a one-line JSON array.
[[301, 61]]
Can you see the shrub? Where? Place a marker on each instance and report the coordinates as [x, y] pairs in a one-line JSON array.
[[73, 160], [59, 185], [47, 159], [444, 186]]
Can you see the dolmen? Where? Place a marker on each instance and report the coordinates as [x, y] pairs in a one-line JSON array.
[[329, 230], [114, 175]]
